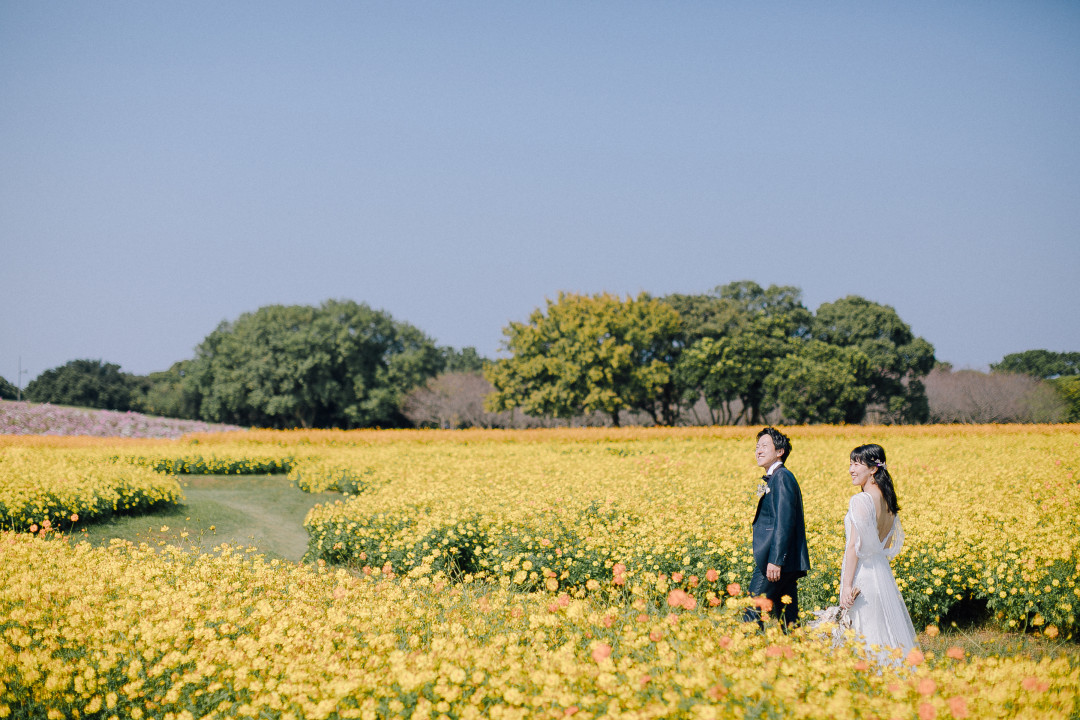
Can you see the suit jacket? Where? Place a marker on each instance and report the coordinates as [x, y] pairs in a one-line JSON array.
[[779, 527]]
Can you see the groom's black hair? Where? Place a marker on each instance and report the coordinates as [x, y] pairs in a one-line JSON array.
[[780, 441]]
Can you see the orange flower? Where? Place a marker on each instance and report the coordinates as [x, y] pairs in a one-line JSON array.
[[725, 641], [692, 581], [932, 630], [763, 603], [517, 612], [74, 517], [607, 621], [619, 580], [927, 686], [955, 653], [712, 575], [656, 635], [642, 617], [645, 680], [601, 652], [552, 584], [713, 600], [676, 598], [572, 710], [915, 657], [618, 569], [958, 707], [563, 600], [1051, 631], [927, 712], [676, 577], [733, 589], [34, 528], [862, 666]]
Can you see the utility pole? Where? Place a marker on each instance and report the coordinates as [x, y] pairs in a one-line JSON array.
[[18, 379]]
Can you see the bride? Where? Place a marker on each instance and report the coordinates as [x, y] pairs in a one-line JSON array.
[[868, 590]]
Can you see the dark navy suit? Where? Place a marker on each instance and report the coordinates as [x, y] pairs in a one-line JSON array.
[[780, 539]]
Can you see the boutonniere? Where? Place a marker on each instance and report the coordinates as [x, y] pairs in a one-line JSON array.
[[763, 489]]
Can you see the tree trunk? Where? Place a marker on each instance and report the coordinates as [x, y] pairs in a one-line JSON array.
[[615, 418]]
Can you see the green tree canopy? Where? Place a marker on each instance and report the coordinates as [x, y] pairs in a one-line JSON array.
[[731, 339], [83, 383], [466, 360], [1043, 364], [170, 393], [898, 359], [820, 383], [341, 364], [7, 390], [735, 367], [588, 354]]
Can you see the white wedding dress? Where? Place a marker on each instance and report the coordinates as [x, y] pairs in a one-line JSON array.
[[878, 614]]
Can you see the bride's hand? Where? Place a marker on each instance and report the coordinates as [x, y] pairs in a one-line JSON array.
[[846, 598]]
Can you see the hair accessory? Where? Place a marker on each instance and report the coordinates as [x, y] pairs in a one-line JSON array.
[[881, 465]]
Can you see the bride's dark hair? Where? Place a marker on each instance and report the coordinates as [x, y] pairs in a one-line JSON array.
[[873, 457]]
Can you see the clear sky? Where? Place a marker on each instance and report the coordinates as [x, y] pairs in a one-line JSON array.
[[166, 166]]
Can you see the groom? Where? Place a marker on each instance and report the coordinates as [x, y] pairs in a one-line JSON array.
[[780, 553]]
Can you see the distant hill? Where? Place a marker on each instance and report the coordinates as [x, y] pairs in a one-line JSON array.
[[25, 418]]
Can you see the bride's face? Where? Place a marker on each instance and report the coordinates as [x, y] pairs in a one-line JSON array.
[[860, 474]]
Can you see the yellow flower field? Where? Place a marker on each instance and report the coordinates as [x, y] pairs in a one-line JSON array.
[[130, 632], [990, 513], [527, 574], [47, 487]]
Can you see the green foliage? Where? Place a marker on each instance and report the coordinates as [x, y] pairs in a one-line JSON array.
[[1069, 389], [821, 383], [732, 337], [735, 367], [83, 383], [341, 364], [7, 390], [466, 360], [780, 303], [588, 354], [169, 393], [1043, 364], [897, 357]]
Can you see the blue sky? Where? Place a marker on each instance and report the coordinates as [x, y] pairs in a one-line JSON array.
[[169, 166]]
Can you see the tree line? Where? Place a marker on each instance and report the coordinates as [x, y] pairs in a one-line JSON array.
[[740, 353]]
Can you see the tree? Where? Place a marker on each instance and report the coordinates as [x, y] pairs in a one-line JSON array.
[[1043, 364], [781, 303], [452, 400], [341, 364], [589, 354], [83, 383], [466, 360], [821, 383], [731, 339], [898, 359], [970, 396], [1068, 388], [170, 393], [735, 367], [7, 390]]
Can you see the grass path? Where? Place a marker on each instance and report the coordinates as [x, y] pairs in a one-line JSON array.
[[263, 511]]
